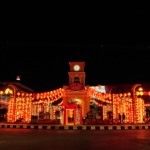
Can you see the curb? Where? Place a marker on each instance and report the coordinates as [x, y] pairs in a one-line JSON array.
[[77, 127]]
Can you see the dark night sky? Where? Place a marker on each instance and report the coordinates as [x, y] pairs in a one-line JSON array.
[[113, 44]]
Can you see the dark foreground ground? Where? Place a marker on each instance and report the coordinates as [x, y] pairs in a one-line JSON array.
[[32, 139]]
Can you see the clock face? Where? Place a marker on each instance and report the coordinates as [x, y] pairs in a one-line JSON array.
[[76, 67]]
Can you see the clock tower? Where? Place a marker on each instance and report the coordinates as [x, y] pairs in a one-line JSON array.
[[77, 74]]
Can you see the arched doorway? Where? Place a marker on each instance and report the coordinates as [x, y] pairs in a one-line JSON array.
[[71, 110], [7, 94], [71, 114]]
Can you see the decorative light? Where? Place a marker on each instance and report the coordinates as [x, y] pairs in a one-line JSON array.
[[18, 93], [140, 89], [7, 91]]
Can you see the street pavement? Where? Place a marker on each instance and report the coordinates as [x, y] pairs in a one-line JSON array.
[[46, 124], [30, 139]]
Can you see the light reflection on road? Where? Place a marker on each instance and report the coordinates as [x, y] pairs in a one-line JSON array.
[[24, 139]]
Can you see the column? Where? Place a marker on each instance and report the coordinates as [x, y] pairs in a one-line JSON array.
[[86, 103], [86, 106], [51, 113], [14, 105], [134, 108]]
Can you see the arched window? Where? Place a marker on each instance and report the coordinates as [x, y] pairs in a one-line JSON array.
[[76, 80], [120, 90]]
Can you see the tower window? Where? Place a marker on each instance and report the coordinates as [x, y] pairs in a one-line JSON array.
[[76, 80]]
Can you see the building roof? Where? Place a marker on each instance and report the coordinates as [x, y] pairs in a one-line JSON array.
[[19, 86]]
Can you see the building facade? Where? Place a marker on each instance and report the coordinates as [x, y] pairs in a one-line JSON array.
[[9, 89], [74, 100]]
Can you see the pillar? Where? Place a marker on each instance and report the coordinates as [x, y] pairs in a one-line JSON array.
[[86, 103], [51, 113], [86, 106], [102, 112], [67, 114], [134, 109], [14, 106]]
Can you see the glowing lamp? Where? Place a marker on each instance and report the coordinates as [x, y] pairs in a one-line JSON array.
[[141, 93], [135, 93], [129, 94], [140, 89], [7, 91], [120, 95], [10, 91], [1, 92], [18, 93], [125, 94], [22, 94]]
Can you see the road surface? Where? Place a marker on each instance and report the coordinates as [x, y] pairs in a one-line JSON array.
[[33, 139]]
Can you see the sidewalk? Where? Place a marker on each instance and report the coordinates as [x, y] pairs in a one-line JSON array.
[[76, 127]]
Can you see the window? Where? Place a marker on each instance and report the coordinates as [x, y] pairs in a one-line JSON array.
[[76, 80], [120, 90]]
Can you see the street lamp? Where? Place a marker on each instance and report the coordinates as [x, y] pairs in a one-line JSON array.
[[140, 89]]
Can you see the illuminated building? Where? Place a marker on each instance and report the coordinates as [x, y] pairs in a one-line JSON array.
[[74, 100], [8, 89]]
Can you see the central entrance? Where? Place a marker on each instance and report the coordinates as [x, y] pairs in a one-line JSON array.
[[71, 111], [71, 114], [70, 118]]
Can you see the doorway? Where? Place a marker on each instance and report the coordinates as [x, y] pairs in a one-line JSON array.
[[70, 117]]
